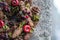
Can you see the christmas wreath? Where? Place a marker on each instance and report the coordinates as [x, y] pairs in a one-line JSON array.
[[17, 19]]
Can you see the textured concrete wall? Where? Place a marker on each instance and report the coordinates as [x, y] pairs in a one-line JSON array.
[[43, 30]]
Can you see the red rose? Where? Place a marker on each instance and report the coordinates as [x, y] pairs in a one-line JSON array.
[[26, 28], [15, 2]]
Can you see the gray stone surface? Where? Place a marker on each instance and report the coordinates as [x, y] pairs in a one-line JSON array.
[[43, 30]]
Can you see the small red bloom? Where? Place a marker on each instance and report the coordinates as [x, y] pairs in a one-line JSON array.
[[26, 28], [1, 23], [15, 2], [26, 16]]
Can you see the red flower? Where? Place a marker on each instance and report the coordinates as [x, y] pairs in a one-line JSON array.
[[26, 28], [26, 16], [1, 23], [15, 2]]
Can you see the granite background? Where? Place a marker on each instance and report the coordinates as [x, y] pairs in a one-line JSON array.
[[43, 31]]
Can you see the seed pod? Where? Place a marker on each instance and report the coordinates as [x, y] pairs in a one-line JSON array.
[[21, 3], [20, 38], [8, 1], [30, 1], [29, 13], [14, 26], [20, 0], [29, 20], [1, 15], [35, 10], [27, 36], [10, 34], [17, 32], [1, 30]]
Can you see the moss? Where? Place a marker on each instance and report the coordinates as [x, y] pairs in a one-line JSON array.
[[10, 34], [14, 9], [0, 0], [21, 24], [35, 18], [5, 27]]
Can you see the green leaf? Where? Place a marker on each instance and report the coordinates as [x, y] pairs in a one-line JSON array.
[[10, 34], [14, 9], [0, 0], [5, 27], [27, 5], [32, 30], [35, 18], [21, 24]]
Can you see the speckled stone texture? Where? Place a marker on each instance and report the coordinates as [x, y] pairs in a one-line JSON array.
[[43, 31]]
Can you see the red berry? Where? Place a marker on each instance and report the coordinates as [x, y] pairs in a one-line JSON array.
[[26, 28], [26, 16], [1, 23], [15, 2]]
